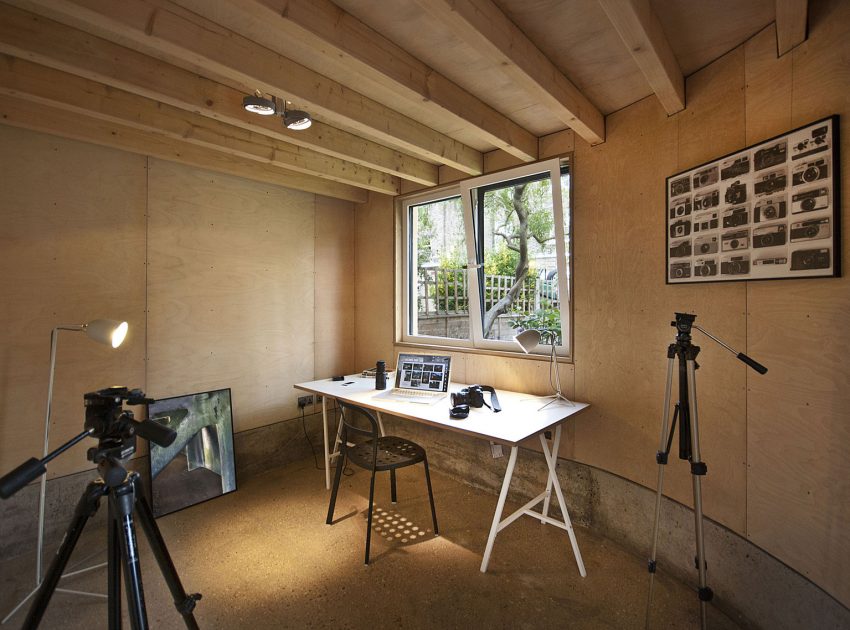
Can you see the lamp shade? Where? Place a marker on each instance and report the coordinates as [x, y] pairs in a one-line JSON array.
[[297, 119], [528, 340], [107, 331]]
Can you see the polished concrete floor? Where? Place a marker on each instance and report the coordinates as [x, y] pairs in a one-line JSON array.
[[263, 558]]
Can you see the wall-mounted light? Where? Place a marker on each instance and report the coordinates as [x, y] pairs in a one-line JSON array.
[[296, 119], [256, 103]]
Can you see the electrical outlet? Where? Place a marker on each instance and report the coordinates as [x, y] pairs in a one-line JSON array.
[[303, 401]]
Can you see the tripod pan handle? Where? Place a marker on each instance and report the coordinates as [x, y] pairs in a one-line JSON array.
[[156, 433], [758, 367], [21, 476]]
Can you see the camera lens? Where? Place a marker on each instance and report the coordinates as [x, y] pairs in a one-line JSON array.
[[734, 243], [808, 204]]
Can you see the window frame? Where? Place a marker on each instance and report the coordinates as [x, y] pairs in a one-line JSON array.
[[465, 190]]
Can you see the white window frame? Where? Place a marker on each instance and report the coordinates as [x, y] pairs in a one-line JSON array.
[[466, 190]]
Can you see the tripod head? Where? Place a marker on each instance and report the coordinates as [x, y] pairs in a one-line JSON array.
[[115, 429], [685, 322]]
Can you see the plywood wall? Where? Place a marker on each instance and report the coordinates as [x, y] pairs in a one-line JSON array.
[[775, 445], [224, 282], [72, 249]]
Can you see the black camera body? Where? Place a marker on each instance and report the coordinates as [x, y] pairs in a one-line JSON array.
[[805, 259], [771, 183], [680, 186], [770, 236], [680, 207], [736, 193], [735, 167], [771, 156], [680, 270], [705, 177], [735, 217], [681, 249], [682, 227], [810, 230], [735, 266], [707, 200], [705, 267], [473, 396]]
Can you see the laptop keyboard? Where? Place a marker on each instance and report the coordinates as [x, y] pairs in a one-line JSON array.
[[415, 393]]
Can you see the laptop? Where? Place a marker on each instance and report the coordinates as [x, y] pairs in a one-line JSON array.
[[420, 378]]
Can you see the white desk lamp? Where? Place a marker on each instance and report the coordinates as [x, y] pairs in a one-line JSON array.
[[528, 340], [106, 331]]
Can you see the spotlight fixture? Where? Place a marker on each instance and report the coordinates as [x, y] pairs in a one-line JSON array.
[[296, 119], [256, 103]]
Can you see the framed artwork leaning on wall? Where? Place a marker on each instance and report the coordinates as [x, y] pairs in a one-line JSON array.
[[200, 464]]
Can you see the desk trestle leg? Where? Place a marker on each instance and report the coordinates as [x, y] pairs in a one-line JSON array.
[[551, 454]]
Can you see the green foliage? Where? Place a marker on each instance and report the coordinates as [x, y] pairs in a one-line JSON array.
[[502, 262], [425, 232], [545, 318]]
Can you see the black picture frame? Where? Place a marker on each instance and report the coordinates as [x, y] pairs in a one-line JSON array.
[[769, 211], [200, 465]]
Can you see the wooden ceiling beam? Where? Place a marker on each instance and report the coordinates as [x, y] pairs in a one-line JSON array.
[[41, 84], [60, 122], [791, 24], [349, 43], [170, 33], [44, 41], [482, 25], [641, 32]]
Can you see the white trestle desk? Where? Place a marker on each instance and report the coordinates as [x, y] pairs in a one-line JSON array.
[[521, 417]]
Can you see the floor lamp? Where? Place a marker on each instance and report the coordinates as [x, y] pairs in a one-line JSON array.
[[528, 340], [106, 331]]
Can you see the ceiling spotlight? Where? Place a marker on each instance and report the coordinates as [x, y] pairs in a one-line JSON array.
[[296, 119], [256, 103]]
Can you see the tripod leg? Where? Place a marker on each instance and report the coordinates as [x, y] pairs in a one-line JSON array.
[[122, 501], [113, 574], [698, 469], [86, 507], [661, 458], [184, 603]]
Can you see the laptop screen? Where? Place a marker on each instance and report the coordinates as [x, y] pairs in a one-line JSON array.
[[423, 371]]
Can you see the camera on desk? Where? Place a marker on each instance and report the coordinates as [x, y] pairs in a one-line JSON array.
[[809, 172], [734, 167], [810, 230], [705, 177], [769, 236], [769, 209], [736, 193], [680, 207], [739, 239], [735, 217], [811, 200], [704, 267], [771, 183], [771, 156], [806, 259], [707, 200]]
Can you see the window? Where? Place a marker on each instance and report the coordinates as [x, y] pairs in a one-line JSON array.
[[488, 258]]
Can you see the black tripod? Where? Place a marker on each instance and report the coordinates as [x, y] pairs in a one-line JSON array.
[[116, 430], [685, 412]]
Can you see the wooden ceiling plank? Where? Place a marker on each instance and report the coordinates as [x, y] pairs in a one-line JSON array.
[[197, 42], [323, 26], [641, 32], [484, 26], [59, 122], [44, 41], [791, 24], [41, 84]]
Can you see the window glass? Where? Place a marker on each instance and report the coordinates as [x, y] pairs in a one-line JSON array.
[[439, 288]]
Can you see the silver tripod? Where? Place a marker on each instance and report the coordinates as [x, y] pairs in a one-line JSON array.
[[685, 412]]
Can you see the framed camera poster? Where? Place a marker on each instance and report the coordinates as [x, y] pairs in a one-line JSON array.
[[771, 210]]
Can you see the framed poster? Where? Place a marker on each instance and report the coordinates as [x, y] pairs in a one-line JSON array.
[[199, 465], [771, 210]]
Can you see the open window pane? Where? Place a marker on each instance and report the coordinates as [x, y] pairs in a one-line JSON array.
[[516, 237], [438, 302]]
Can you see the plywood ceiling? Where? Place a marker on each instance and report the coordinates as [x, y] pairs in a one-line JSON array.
[[397, 89]]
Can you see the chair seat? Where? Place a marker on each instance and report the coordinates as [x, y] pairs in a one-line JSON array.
[[393, 452]]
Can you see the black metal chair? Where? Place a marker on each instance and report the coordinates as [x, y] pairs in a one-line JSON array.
[[376, 453]]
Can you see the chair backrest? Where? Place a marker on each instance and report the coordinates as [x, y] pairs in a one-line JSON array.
[[349, 413]]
